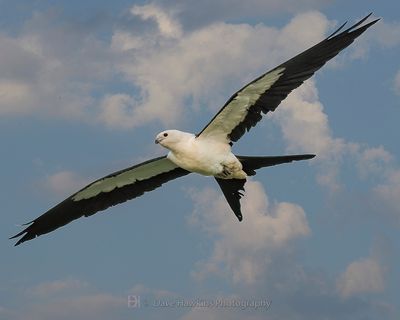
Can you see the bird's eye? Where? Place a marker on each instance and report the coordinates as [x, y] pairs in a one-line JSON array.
[[165, 134]]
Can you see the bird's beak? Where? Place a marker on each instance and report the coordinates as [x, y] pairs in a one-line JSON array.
[[157, 141]]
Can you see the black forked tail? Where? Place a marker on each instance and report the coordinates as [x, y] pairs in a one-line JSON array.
[[250, 164], [233, 188]]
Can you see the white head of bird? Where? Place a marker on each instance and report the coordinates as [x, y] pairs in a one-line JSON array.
[[170, 138]]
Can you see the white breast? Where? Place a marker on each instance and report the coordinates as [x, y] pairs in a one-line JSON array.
[[203, 156]]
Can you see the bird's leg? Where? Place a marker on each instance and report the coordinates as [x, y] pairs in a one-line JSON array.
[[225, 171]]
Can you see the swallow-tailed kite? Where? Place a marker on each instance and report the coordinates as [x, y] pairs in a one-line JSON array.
[[208, 152]]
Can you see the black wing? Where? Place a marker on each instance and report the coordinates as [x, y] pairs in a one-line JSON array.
[[250, 164], [113, 189], [243, 110]]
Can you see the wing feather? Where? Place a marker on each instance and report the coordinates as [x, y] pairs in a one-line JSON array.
[[101, 194], [244, 109]]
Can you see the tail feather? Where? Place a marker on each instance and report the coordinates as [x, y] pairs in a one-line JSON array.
[[231, 188], [250, 164]]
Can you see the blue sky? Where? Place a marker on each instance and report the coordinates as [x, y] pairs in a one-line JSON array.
[[84, 89]]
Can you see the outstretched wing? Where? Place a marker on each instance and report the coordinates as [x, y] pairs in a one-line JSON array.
[[113, 189], [243, 110]]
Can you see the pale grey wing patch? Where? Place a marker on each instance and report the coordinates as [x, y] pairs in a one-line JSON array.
[[236, 110], [138, 173], [111, 190], [245, 108]]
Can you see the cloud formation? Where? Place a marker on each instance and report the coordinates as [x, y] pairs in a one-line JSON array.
[[56, 287], [256, 258], [65, 299], [362, 276], [51, 69], [64, 182], [167, 26], [242, 251], [164, 67], [169, 71], [195, 14], [388, 192], [305, 128]]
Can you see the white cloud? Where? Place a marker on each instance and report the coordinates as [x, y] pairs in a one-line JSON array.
[[42, 71], [387, 34], [389, 191], [64, 182], [66, 299], [362, 276], [197, 13], [117, 111], [90, 306], [297, 35], [199, 67], [243, 250], [167, 67], [374, 161], [167, 26], [305, 128], [15, 97], [305, 125], [124, 41], [384, 34]]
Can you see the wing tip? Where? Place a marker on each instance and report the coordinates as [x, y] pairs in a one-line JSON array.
[[364, 27], [19, 240], [26, 234], [26, 237], [303, 157], [353, 28], [337, 30]]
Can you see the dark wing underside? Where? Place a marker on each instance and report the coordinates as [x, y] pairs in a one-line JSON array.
[[250, 164], [243, 110], [106, 192]]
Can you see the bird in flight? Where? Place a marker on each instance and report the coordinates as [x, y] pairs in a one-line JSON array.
[[208, 152]]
